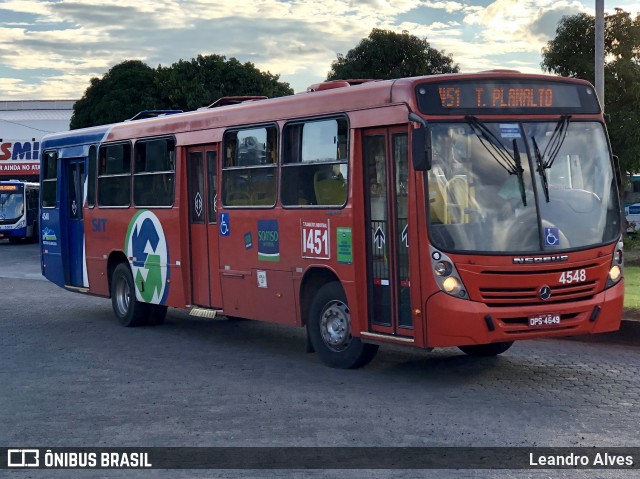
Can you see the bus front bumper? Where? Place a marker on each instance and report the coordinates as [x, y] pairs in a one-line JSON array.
[[456, 322], [13, 233]]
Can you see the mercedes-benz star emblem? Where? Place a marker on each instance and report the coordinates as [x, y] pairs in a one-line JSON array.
[[544, 293]]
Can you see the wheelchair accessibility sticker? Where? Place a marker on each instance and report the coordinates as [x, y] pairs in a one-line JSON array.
[[551, 237], [224, 224]]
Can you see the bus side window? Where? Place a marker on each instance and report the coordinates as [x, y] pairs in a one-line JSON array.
[[91, 188], [315, 163], [249, 171], [154, 172], [114, 175], [49, 179]]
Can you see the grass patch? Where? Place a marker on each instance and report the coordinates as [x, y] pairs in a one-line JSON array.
[[632, 287]]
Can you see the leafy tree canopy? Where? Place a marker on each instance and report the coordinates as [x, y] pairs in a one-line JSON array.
[[123, 91], [132, 86], [187, 85], [572, 52], [385, 55]]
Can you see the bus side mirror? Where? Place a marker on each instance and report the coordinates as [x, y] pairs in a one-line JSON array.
[[420, 144], [616, 168]]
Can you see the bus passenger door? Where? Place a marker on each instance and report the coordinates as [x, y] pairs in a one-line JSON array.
[[202, 175], [72, 221], [386, 216]]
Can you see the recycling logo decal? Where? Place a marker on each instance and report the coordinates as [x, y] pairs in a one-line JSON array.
[[147, 245]]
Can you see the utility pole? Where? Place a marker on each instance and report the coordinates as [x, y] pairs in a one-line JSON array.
[[599, 65]]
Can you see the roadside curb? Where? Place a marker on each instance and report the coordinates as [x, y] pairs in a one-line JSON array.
[[628, 334]]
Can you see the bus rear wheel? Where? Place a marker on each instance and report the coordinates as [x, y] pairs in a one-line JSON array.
[[129, 311], [492, 349], [329, 330]]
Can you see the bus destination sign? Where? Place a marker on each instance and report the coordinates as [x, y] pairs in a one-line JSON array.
[[468, 97]]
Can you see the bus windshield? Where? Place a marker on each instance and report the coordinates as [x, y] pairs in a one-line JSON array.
[[521, 186], [11, 206]]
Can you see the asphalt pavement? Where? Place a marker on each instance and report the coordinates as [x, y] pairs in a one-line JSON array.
[[71, 376]]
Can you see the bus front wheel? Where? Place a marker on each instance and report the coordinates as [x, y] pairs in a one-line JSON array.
[[329, 330], [129, 311], [492, 349]]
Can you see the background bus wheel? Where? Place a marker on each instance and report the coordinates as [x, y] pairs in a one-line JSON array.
[[129, 311], [492, 349], [157, 314], [329, 329]]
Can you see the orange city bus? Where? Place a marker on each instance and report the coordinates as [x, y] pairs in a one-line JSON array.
[[467, 210]]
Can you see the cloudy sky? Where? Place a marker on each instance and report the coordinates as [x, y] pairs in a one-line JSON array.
[[49, 49]]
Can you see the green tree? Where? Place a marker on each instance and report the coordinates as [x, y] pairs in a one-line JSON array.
[[572, 52], [123, 91], [132, 86], [385, 55], [187, 85]]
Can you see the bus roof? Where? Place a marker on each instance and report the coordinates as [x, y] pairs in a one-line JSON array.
[[316, 102]]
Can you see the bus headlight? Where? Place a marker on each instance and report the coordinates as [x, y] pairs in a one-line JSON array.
[[617, 265], [446, 275], [443, 268], [614, 273], [452, 285], [21, 224]]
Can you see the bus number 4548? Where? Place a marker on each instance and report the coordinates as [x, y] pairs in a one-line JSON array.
[[576, 276]]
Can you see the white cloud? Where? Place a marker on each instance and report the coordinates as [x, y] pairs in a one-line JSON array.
[[63, 43], [448, 7]]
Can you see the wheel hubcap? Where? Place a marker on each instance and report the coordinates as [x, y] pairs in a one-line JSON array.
[[123, 296], [335, 326]]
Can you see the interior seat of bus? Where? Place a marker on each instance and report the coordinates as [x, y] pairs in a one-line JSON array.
[[330, 189]]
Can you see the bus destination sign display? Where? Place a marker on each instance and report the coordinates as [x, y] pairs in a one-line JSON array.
[[499, 97], [468, 97]]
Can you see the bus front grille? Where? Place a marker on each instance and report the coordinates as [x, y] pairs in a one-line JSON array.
[[522, 296]]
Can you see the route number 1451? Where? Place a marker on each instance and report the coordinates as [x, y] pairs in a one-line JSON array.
[[315, 240], [575, 276]]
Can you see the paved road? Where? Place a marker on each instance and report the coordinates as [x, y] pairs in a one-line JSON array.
[[71, 376]]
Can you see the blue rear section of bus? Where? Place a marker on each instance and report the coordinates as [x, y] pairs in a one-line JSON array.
[[62, 238]]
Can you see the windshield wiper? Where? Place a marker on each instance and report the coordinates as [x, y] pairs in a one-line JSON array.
[[520, 172], [511, 164], [540, 169], [556, 141], [553, 147]]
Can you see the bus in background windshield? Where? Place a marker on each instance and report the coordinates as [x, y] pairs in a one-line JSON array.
[[18, 210]]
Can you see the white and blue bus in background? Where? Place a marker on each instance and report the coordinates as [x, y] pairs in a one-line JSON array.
[[632, 213], [18, 210], [632, 204]]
